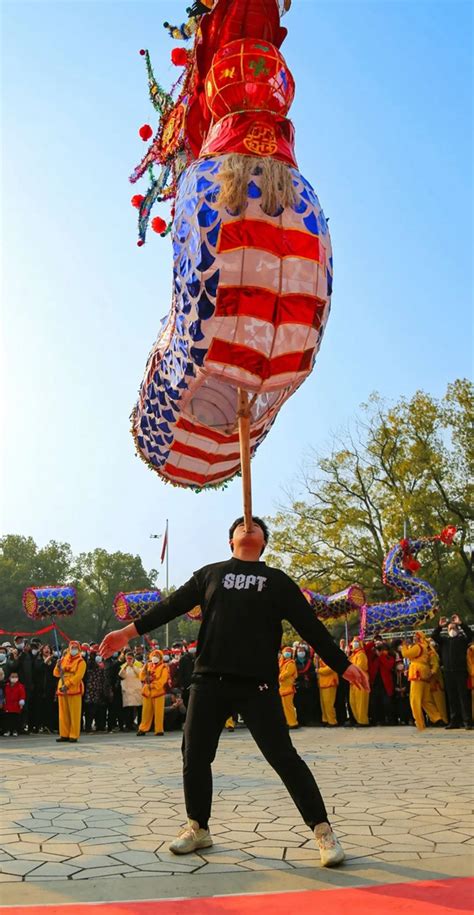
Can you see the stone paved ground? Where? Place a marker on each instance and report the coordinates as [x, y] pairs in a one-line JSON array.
[[108, 806]]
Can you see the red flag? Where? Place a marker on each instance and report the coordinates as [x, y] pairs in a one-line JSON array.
[[165, 545]]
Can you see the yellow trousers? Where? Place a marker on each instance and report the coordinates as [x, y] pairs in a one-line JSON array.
[[439, 698], [328, 697], [70, 708], [359, 703], [289, 710], [421, 701], [229, 723], [153, 709]]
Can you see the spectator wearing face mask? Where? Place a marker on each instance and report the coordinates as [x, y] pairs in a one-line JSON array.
[[358, 698], [173, 666], [95, 693], [287, 679], [155, 678], [381, 664], [175, 711], [70, 672], [22, 665], [307, 705], [46, 689], [453, 653], [131, 685], [35, 703], [5, 660], [114, 693], [328, 681], [14, 703]]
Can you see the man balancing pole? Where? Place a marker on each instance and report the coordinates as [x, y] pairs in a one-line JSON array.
[[238, 596]]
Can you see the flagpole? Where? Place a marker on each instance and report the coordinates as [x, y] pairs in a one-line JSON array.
[[167, 579]]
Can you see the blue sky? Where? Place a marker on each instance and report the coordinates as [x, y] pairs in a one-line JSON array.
[[383, 121]]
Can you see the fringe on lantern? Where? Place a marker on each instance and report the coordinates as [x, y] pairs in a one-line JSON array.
[[276, 183]]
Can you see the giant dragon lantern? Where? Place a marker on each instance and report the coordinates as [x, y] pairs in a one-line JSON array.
[[252, 260]]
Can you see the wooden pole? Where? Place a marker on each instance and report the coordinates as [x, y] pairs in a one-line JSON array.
[[244, 438]]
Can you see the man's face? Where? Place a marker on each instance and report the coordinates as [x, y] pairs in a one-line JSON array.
[[253, 539]]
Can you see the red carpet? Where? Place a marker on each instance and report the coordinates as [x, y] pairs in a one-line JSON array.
[[427, 897]]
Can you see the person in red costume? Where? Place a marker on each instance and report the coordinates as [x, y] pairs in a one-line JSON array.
[[15, 697]]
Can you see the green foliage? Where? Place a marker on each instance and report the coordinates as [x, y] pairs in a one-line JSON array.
[[406, 466], [98, 576]]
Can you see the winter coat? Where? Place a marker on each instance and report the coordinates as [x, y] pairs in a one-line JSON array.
[[24, 668], [96, 691], [131, 684], [453, 651], [70, 671], [306, 674], [382, 664], [14, 693], [287, 677], [155, 680]]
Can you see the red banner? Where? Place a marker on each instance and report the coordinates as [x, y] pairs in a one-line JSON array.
[[37, 632]]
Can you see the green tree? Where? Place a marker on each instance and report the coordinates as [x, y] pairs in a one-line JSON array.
[[404, 467], [100, 576], [22, 564]]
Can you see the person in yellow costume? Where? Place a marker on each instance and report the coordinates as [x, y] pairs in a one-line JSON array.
[[154, 676], [358, 698], [470, 672], [419, 674], [328, 681], [287, 679], [438, 694], [70, 671]]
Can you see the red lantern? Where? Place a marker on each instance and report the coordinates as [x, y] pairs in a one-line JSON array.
[[249, 75], [145, 132], [179, 57], [158, 224], [137, 200]]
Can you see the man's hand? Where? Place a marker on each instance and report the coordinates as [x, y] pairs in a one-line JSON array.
[[116, 640], [357, 677]]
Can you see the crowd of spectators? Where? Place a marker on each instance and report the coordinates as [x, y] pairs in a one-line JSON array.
[[423, 680]]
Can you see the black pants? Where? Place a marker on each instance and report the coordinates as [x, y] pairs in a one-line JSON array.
[[211, 702], [459, 698], [94, 712], [129, 714]]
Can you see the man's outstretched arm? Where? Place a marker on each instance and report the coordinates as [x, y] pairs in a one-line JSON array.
[[304, 620], [181, 601]]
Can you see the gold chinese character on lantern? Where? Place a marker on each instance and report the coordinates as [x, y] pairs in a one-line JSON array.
[[229, 73], [172, 130], [261, 140]]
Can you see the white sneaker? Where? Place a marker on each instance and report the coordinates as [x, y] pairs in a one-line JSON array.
[[191, 838], [331, 851]]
